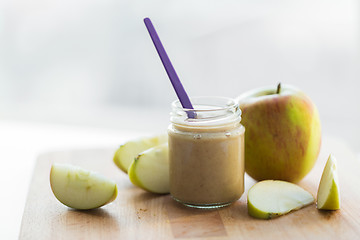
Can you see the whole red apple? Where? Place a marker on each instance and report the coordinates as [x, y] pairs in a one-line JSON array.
[[282, 133]]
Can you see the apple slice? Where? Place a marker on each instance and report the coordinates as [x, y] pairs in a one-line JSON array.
[[126, 153], [272, 198], [328, 196], [150, 170], [81, 189]]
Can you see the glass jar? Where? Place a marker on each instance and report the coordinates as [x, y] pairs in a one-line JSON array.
[[206, 152]]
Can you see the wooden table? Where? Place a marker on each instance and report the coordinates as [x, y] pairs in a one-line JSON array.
[[137, 214]]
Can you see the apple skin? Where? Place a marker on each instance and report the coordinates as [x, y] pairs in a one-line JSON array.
[[282, 133]]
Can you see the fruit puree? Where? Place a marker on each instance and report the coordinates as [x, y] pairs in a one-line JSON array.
[[207, 161]]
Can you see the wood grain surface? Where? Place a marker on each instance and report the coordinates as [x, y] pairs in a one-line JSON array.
[[137, 214]]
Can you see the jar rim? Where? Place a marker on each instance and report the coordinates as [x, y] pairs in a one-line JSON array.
[[209, 112], [228, 104]]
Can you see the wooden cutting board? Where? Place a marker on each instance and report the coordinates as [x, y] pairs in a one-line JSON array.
[[137, 214]]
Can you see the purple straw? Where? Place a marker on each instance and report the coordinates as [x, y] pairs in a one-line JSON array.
[[175, 81]]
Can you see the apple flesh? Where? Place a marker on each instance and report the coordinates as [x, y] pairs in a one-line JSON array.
[[81, 189], [282, 133], [328, 197], [150, 170], [127, 152], [272, 198]]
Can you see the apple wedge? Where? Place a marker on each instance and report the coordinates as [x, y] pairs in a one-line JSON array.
[[126, 153], [272, 198], [81, 189], [328, 196], [150, 170]]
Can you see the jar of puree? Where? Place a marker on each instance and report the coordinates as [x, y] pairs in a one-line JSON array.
[[206, 152]]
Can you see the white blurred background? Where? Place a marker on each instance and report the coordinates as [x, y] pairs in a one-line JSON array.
[[88, 62], [92, 63]]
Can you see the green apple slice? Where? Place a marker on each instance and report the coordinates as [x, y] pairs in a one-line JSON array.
[[126, 153], [150, 170], [328, 196], [272, 198], [81, 189]]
